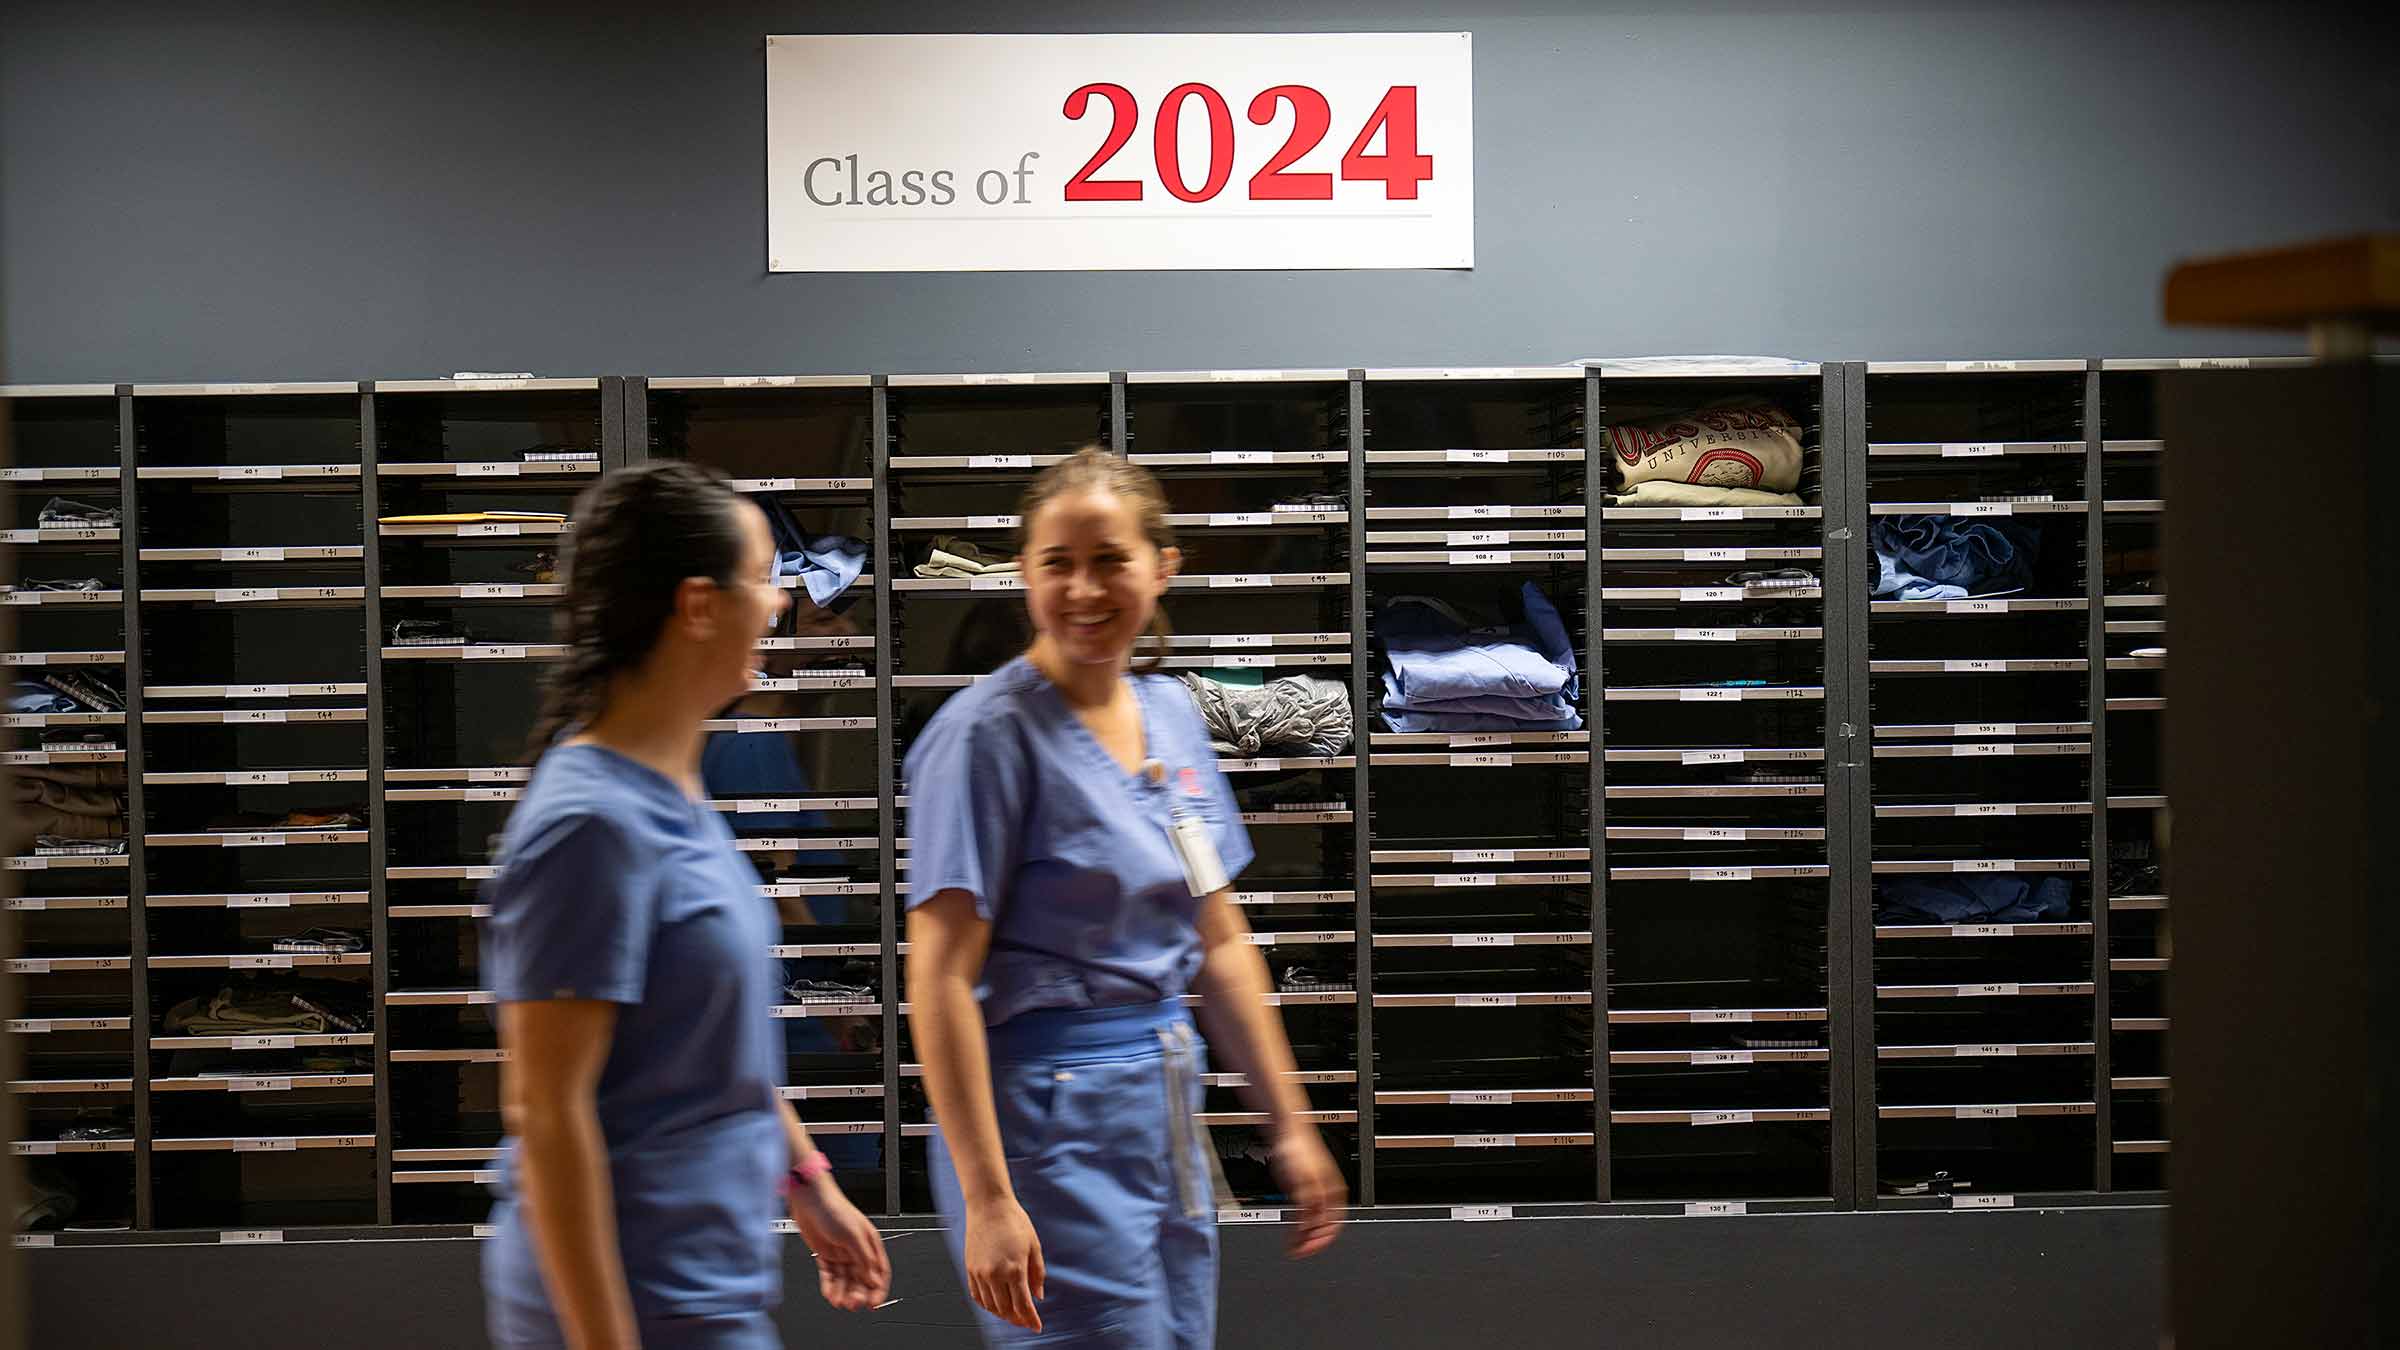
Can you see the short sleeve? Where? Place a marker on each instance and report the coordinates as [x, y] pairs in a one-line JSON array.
[[1232, 837], [573, 908], [966, 807]]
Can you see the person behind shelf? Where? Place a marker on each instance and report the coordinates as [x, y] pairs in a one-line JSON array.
[[628, 947], [1074, 841]]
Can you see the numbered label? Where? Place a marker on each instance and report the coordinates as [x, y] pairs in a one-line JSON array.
[[1483, 558], [247, 595], [1987, 990], [1982, 508], [1985, 809], [1715, 835], [1710, 513], [1482, 940], [1986, 1113], [1482, 760], [1721, 1057], [249, 472], [1714, 756], [1704, 1015], [1481, 1098], [252, 555], [1242, 640], [1478, 512], [1972, 450], [237, 1236], [258, 902], [1249, 1216], [1984, 750], [1721, 1118], [999, 461], [1708, 594], [490, 469], [263, 1043], [1474, 538], [270, 961], [1984, 1052], [488, 652], [1482, 1213], [1241, 456], [1721, 874], [1237, 579], [1709, 695], [258, 778], [1486, 1141], [495, 591], [1983, 1202], [1484, 1001], [1475, 456], [266, 1146], [1466, 879], [1715, 1209], [1483, 855], [1973, 667], [489, 529]]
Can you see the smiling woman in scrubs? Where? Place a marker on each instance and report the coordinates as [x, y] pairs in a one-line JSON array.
[[1073, 843], [628, 947]]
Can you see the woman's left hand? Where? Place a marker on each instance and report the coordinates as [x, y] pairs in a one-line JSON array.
[[1308, 1175], [852, 1271]]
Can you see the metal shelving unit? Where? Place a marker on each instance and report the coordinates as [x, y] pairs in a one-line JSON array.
[[1751, 766]]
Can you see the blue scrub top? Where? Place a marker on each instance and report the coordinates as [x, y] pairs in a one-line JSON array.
[[614, 885], [1011, 799]]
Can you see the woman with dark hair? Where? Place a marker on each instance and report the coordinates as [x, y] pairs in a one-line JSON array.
[[628, 949], [1074, 844]]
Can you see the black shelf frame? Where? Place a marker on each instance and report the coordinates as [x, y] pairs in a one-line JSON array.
[[1848, 805]]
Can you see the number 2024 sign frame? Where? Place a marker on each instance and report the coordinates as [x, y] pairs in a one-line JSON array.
[[1123, 151]]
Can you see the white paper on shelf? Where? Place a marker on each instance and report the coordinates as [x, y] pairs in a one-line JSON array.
[[1715, 756]]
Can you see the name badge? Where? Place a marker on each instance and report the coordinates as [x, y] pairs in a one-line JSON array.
[[1203, 871]]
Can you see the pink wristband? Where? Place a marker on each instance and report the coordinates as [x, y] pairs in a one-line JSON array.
[[807, 1170]]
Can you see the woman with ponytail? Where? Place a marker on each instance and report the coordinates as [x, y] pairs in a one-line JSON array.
[[628, 950], [1073, 842]]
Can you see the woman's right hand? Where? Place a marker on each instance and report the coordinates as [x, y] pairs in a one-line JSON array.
[[1004, 1263]]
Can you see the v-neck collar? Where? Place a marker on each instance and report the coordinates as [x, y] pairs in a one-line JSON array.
[[1091, 743]]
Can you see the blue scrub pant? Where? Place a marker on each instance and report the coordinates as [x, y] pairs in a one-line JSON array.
[[514, 1326], [1096, 1112]]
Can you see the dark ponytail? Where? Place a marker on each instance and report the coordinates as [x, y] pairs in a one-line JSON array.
[[638, 533]]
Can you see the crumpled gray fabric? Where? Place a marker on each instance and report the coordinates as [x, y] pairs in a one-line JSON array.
[[1294, 715]]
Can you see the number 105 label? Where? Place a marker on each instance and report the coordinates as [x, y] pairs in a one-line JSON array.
[[928, 152]]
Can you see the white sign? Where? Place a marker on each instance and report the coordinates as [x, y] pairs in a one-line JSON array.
[[1117, 151]]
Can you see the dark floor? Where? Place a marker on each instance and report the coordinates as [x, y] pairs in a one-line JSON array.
[[2086, 1278]]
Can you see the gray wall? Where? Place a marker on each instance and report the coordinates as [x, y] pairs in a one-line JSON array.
[[294, 191]]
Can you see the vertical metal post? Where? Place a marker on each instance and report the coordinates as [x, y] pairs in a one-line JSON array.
[[633, 404], [137, 818], [2095, 516], [1120, 430], [370, 491], [1841, 527], [887, 752], [1848, 589], [1595, 495], [1362, 801]]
